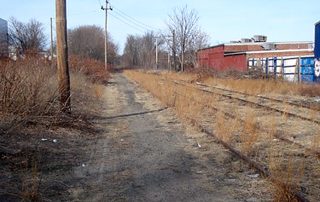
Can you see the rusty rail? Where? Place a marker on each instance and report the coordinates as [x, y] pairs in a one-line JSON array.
[[253, 103], [259, 96]]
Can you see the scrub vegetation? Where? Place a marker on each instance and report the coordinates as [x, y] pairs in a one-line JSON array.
[[269, 138]]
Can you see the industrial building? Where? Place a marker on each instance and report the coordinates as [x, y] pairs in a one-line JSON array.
[[237, 54], [4, 52]]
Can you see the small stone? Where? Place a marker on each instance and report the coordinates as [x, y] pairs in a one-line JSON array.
[[253, 176]]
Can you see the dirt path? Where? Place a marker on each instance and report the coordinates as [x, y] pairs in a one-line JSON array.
[[153, 157]]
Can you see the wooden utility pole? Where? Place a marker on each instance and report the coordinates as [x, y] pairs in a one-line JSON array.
[[51, 41], [106, 33], [182, 60], [62, 56], [156, 53], [169, 65], [174, 50]]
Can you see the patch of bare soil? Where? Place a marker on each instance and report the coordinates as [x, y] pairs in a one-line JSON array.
[[36, 163]]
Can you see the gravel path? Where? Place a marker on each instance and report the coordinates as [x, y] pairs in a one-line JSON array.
[[153, 157]]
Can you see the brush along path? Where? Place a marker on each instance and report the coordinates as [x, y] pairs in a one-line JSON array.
[[287, 163], [152, 157]]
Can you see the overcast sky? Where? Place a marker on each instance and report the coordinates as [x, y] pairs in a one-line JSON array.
[[222, 20]]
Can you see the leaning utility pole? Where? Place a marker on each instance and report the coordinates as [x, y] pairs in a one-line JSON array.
[[62, 56], [106, 33]]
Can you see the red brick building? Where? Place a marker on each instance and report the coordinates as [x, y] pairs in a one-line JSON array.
[[236, 55]]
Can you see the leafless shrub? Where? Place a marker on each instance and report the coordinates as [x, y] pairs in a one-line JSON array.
[[28, 87], [88, 41], [93, 69]]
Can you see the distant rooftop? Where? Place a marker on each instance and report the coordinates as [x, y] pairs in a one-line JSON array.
[[258, 43], [261, 43], [270, 51]]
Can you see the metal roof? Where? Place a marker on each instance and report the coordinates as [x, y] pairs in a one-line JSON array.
[[261, 43], [269, 51], [256, 43]]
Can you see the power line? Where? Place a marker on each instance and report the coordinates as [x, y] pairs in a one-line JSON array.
[[123, 21], [149, 26], [133, 20]]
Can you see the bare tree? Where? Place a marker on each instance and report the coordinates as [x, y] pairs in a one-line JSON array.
[[131, 53], [27, 37], [139, 51], [88, 41], [199, 41], [189, 37]]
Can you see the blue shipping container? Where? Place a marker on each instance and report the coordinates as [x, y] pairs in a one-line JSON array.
[[307, 78], [317, 41], [307, 61], [307, 70]]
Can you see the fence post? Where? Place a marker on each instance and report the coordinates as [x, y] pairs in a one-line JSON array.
[[298, 66], [267, 67], [282, 67], [275, 65]]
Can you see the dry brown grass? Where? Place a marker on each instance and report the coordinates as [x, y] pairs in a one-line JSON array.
[[29, 102], [29, 86], [290, 173], [256, 87], [242, 132], [249, 135], [251, 86]]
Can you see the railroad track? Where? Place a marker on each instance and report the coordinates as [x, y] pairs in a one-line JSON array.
[[308, 106], [260, 167], [257, 104], [278, 136]]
